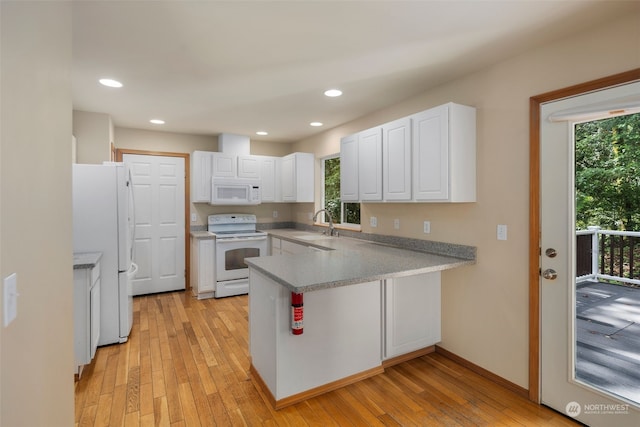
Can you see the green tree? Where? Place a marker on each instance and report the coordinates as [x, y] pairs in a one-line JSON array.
[[608, 173], [332, 201], [332, 187]]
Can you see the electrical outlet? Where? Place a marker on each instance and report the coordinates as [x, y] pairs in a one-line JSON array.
[[194, 217], [373, 221], [426, 227], [275, 214], [396, 224], [501, 232], [310, 215]]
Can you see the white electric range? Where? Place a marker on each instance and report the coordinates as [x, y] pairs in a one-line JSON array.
[[236, 239]]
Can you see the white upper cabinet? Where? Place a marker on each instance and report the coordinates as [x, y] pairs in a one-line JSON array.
[[349, 168], [426, 157], [298, 177], [396, 160], [201, 169], [249, 166], [224, 165], [370, 164], [269, 169], [299, 173], [444, 154]]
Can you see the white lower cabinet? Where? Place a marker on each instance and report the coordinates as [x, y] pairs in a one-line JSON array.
[[203, 280], [411, 313], [86, 311]]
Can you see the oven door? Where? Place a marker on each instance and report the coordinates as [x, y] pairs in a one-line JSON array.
[[231, 252]]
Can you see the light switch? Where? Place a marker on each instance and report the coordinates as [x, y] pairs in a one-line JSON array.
[[194, 217], [501, 232], [373, 221], [426, 227], [10, 299]]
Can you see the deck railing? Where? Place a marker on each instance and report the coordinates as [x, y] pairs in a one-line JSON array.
[[608, 255]]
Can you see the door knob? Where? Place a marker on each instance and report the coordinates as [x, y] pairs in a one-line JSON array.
[[549, 274], [550, 252]]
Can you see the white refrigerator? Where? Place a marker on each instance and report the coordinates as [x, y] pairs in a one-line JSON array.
[[103, 221]]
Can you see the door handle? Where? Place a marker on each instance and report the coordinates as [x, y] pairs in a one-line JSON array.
[[550, 274], [550, 252]]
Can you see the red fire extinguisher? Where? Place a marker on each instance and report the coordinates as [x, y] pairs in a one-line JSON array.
[[297, 313]]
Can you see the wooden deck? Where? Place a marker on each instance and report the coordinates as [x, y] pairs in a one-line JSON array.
[[608, 331]]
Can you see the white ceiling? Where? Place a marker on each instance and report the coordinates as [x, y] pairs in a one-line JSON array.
[[208, 67]]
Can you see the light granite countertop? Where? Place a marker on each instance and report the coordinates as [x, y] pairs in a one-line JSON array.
[[86, 259], [345, 261]]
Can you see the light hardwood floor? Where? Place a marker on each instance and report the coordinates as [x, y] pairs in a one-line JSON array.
[[186, 364]]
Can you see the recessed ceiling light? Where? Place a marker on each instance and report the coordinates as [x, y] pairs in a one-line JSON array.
[[261, 132], [315, 124], [157, 121], [333, 92], [110, 83]]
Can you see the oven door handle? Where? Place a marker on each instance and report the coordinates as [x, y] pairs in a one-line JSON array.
[[242, 239]]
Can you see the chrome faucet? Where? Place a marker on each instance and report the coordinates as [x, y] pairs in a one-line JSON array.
[[331, 229]]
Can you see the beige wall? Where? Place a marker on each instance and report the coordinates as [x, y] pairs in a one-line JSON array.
[[138, 139], [94, 135], [148, 140], [485, 307], [37, 358]]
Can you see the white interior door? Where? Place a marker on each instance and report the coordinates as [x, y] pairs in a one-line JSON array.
[[159, 248], [558, 384]]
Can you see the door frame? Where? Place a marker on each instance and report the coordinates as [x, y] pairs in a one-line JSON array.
[[534, 208], [120, 152]]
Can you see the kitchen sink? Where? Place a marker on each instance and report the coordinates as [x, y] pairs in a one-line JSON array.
[[312, 236]]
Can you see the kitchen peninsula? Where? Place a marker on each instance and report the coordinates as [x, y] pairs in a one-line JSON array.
[[367, 305]]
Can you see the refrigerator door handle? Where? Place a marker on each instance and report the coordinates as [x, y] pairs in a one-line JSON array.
[[133, 270], [132, 216]]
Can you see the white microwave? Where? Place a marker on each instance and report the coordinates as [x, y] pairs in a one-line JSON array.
[[235, 191]]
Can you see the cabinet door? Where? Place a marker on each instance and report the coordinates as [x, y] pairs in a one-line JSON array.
[[370, 164], [396, 158], [431, 154], [249, 166], [206, 265], [289, 178], [201, 169], [269, 182], [81, 316], [349, 169], [412, 313], [94, 298], [305, 175], [224, 165], [275, 246]]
